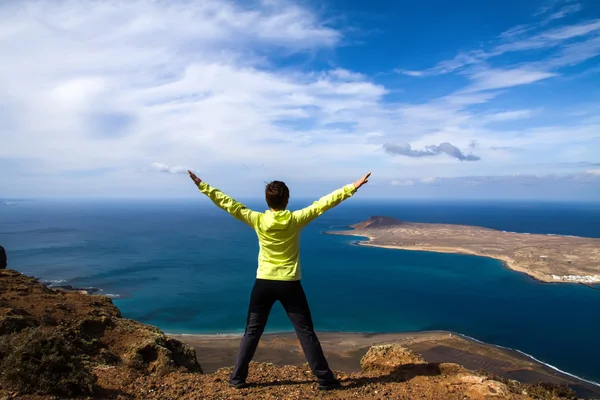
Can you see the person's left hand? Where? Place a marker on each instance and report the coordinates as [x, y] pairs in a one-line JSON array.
[[362, 181], [196, 180]]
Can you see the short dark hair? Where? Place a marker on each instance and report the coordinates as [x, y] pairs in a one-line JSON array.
[[277, 195]]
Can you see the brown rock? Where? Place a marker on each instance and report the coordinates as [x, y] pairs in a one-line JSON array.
[[388, 358], [487, 389], [92, 329], [148, 349], [378, 222]]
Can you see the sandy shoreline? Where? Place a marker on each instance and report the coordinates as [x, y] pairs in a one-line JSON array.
[[508, 263], [344, 351]]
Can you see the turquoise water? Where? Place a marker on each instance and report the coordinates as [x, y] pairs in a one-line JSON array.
[[187, 267]]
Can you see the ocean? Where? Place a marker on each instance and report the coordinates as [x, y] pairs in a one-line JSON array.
[[188, 267]]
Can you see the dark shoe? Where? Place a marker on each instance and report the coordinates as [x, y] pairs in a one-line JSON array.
[[241, 385], [330, 385]]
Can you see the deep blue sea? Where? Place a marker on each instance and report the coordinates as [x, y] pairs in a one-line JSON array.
[[188, 267]]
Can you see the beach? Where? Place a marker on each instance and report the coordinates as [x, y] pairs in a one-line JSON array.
[[345, 350]]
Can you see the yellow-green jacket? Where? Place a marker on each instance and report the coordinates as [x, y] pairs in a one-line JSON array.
[[278, 231]]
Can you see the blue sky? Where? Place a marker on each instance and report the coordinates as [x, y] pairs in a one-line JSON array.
[[438, 99]]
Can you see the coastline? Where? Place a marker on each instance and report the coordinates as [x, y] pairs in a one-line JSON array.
[[371, 241], [344, 351]]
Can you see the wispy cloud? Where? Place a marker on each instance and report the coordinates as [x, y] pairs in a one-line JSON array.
[[515, 32], [565, 11], [509, 115], [447, 66], [502, 78], [516, 40], [547, 7], [549, 38]]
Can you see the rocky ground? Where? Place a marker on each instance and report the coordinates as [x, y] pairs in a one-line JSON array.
[[391, 372], [57, 345], [345, 352]]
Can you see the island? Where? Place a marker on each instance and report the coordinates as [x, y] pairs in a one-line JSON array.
[[547, 258]]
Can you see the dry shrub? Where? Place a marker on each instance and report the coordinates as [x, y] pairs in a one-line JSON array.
[[44, 362]]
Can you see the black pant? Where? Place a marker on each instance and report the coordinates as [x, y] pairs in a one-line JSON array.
[[291, 295]]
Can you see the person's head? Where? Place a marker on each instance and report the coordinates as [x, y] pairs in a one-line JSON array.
[[2, 258], [277, 195]]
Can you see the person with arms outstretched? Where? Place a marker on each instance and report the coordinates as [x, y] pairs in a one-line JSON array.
[[279, 273]]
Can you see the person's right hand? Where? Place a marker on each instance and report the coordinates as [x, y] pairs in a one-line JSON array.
[[196, 180], [362, 181]]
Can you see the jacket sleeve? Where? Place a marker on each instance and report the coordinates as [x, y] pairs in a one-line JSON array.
[[237, 210], [307, 214]]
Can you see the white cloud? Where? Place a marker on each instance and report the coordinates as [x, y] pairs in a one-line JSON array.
[[346, 75], [78, 92], [112, 85], [429, 180], [410, 73], [169, 170], [127, 83], [407, 182], [594, 171]]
